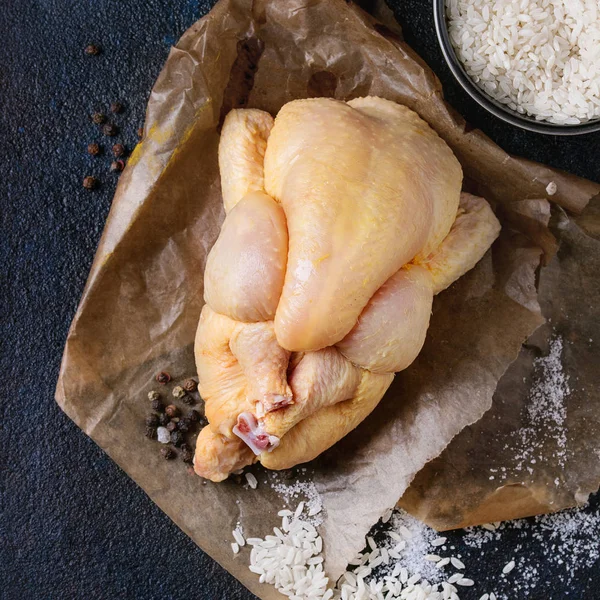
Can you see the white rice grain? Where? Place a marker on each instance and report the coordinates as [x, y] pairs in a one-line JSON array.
[[538, 58], [508, 567], [238, 537]]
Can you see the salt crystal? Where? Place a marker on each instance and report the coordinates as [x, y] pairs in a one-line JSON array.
[[163, 435]]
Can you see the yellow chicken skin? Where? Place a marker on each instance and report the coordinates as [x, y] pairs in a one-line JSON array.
[[365, 187], [343, 221]]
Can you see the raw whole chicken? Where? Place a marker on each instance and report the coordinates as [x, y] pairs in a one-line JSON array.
[[344, 219]]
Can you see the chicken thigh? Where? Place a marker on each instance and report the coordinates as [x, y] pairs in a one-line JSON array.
[[343, 221]]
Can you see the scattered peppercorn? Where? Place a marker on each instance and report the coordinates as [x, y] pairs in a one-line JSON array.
[[183, 425], [236, 479], [164, 420], [116, 107], [118, 150], [171, 426], [93, 149], [185, 447], [168, 453], [92, 50], [110, 129], [140, 132], [117, 165], [89, 182], [190, 385], [178, 392], [152, 420], [150, 433], [203, 422], [189, 400], [193, 416], [177, 438], [98, 118], [172, 410], [153, 395], [187, 456], [157, 405], [163, 377]]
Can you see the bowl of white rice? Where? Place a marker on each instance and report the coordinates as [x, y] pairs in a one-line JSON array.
[[532, 63]]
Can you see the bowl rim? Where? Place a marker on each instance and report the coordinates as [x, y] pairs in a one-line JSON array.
[[487, 102]]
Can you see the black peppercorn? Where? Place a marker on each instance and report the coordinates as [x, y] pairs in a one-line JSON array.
[[117, 165], [184, 425], [189, 400], [98, 118], [193, 416], [187, 456], [89, 182], [176, 438], [93, 149], [118, 150], [286, 473], [116, 107], [164, 420], [168, 453], [190, 385], [203, 422], [110, 129], [157, 405], [92, 50], [171, 426], [152, 420], [172, 410], [185, 447], [163, 377], [237, 479], [150, 433]]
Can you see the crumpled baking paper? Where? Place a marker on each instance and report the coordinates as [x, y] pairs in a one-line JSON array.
[[140, 307]]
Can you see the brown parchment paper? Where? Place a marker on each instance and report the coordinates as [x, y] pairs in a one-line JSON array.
[[516, 461], [140, 307]]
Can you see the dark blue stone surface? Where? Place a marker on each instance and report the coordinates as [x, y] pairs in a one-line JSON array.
[[72, 524]]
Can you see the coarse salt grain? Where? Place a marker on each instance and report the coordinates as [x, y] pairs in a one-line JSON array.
[[551, 188], [163, 435]]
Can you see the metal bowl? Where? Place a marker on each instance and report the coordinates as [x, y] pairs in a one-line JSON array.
[[496, 108]]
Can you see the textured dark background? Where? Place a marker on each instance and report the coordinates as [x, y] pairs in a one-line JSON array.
[[72, 524]]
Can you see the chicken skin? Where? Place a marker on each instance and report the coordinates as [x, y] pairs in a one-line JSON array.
[[343, 221]]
